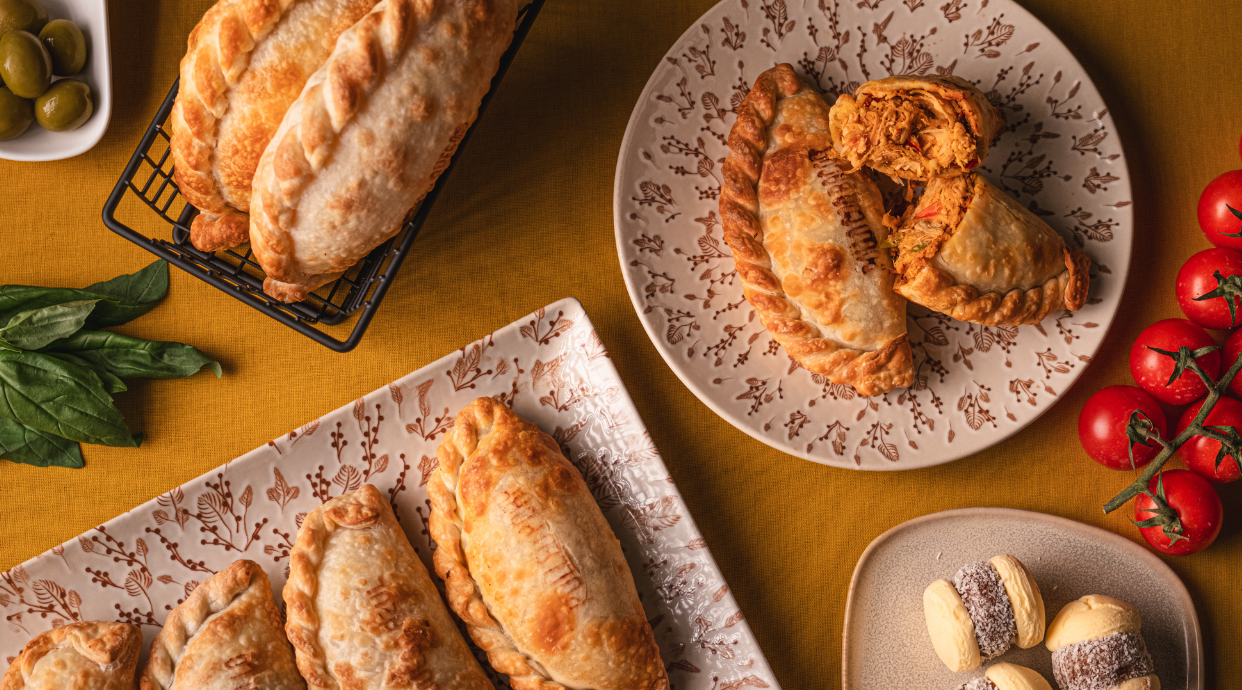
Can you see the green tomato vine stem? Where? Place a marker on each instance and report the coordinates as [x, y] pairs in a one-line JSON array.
[[1216, 389]]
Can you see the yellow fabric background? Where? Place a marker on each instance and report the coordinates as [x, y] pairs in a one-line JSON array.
[[526, 219]]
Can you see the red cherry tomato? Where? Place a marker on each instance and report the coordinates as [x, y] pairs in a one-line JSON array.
[[1151, 370], [1199, 453], [1197, 278], [1214, 215], [1233, 347], [1102, 426], [1196, 504]]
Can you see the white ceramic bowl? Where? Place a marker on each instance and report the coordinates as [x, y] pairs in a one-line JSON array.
[[38, 144]]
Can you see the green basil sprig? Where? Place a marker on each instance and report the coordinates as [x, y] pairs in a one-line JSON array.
[[33, 447], [121, 299], [135, 358], [57, 371]]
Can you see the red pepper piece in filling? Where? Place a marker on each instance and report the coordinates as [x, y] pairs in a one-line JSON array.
[[929, 212], [973, 163], [914, 144]]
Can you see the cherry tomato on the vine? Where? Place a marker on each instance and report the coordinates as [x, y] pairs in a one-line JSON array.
[[1197, 506], [1197, 278], [1199, 453], [1215, 217], [1233, 348], [1151, 370], [1102, 426]]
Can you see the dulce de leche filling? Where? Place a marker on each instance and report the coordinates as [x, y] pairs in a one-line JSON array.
[[1102, 663], [986, 601]]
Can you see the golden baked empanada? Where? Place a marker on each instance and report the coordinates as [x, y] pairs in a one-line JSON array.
[[226, 635], [363, 613], [915, 127], [366, 140], [530, 563], [247, 60], [808, 240], [95, 655], [972, 252]]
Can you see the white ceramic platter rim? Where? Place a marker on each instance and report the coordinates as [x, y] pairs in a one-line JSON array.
[[1008, 418], [551, 367]]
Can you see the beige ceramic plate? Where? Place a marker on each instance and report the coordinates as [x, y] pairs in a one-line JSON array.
[[975, 385], [885, 640]]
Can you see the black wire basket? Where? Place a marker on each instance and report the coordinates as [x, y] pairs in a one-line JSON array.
[[149, 177]]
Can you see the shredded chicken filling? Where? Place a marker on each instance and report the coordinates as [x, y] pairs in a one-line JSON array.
[[910, 132], [933, 220]]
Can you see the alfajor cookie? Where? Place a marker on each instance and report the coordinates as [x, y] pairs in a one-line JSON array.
[[1097, 644], [989, 606], [1005, 676]]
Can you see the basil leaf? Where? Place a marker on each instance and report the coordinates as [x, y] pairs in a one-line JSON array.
[[111, 382], [146, 286], [134, 357], [121, 299], [28, 446], [35, 328], [61, 398]]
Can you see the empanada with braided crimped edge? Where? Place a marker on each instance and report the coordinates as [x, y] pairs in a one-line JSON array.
[[226, 635], [362, 611], [808, 240], [970, 251], [246, 62], [92, 655], [371, 132], [531, 564]]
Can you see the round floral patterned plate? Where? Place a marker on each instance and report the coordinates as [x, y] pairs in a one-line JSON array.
[[975, 385]]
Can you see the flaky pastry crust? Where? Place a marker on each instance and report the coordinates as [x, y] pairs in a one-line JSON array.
[[226, 635], [93, 655], [246, 61], [371, 132], [870, 372], [971, 252], [362, 611], [530, 563]]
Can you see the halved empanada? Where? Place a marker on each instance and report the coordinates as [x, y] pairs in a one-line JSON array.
[[247, 60], [95, 655], [363, 613], [225, 635], [972, 252], [530, 563], [915, 127], [374, 128], [808, 240]]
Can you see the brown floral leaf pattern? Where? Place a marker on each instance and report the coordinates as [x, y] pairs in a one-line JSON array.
[[141, 565], [1057, 146], [281, 494]]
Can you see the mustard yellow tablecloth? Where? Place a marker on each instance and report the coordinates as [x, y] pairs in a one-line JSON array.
[[527, 219]]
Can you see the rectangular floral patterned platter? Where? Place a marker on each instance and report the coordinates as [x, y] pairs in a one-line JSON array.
[[550, 367]]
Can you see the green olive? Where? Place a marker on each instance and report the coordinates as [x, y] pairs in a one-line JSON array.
[[65, 106], [25, 64], [16, 114], [65, 43], [22, 15]]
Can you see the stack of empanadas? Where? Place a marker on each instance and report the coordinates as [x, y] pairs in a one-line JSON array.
[[822, 262], [310, 128]]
